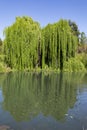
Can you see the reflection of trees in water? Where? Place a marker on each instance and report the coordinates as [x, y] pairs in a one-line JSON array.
[[84, 81], [28, 94], [2, 77]]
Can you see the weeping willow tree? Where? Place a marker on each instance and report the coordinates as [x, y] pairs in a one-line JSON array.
[[59, 44], [27, 46], [21, 43]]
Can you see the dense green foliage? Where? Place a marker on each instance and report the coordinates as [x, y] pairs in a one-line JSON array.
[[83, 38], [2, 67], [74, 28], [21, 43], [0, 46], [55, 47], [74, 65], [83, 58], [27, 46], [59, 44]]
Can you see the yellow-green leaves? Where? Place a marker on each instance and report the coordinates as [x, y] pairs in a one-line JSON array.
[[59, 43], [26, 46], [21, 41]]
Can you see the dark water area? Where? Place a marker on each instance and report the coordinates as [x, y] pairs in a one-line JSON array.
[[41, 101]]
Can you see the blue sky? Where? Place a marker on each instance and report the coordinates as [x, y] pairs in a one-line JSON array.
[[43, 11]]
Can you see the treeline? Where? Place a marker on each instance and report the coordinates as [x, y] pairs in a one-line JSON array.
[[27, 46]]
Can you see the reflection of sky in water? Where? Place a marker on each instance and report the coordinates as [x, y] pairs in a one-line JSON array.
[[78, 114]]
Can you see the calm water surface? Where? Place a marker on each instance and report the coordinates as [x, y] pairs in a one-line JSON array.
[[32, 101]]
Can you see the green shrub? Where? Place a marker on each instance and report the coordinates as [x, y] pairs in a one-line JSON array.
[[83, 58], [74, 65]]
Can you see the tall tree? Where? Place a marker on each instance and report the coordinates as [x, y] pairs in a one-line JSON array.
[[21, 43], [74, 28], [26, 46], [83, 38], [59, 43]]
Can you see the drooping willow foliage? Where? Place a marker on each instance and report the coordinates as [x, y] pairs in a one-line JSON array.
[[21, 43], [59, 44], [27, 46]]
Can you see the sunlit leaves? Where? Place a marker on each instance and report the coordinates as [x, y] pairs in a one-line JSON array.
[[26, 46], [21, 41], [59, 43]]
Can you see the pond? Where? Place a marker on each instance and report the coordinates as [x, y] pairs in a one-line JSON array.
[[43, 101]]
